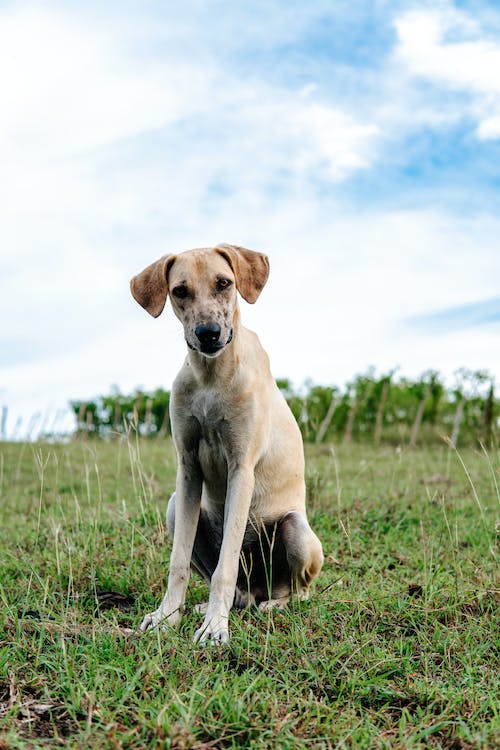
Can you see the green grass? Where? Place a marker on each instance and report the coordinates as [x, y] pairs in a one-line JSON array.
[[397, 648]]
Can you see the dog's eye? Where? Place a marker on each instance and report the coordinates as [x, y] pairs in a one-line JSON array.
[[223, 284], [181, 292]]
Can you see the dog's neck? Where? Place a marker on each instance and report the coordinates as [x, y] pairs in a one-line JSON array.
[[223, 367]]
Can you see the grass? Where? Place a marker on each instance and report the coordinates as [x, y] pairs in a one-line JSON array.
[[397, 648]]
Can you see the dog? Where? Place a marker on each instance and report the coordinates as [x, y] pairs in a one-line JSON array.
[[238, 513]]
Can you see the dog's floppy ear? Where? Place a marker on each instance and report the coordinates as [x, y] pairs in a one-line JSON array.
[[150, 287], [250, 269]]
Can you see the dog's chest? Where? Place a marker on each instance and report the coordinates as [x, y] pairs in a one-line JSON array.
[[214, 436], [209, 412]]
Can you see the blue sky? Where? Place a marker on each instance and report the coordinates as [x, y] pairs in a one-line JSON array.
[[476, 314], [357, 143]]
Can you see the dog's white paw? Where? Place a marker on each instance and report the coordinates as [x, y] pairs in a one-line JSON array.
[[151, 621], [159, 619], [271, 604], [214, 630]]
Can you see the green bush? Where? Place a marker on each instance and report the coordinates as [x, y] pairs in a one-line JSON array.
[[395, 410]]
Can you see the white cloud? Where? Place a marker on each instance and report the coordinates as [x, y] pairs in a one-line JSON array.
[[68, 87], [81, 109], [333, 137], [448, 47]]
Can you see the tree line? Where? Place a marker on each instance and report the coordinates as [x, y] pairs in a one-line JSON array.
[[388, 409]]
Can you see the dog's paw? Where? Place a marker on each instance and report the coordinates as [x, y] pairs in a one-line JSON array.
[[159, 619], [270, 604], [214, 630], [148, 622]]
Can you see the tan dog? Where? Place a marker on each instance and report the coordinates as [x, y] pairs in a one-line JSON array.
[[238, 512]]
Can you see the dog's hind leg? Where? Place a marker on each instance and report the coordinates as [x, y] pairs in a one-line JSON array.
[[303, 551], [284, 559]]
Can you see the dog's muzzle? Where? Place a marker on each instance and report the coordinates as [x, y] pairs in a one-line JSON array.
[[209, 343]]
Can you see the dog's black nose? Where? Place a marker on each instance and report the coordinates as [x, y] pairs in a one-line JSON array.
[[208, 334]]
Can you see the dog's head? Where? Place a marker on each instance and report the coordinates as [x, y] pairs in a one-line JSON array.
[[202, 285]]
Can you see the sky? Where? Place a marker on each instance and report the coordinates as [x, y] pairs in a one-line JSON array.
[[357, 143]]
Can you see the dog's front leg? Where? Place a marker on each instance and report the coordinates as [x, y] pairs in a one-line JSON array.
[[187, 501], [215, 626]]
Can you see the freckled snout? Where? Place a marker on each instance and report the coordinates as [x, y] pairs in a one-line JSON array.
[[208, 334]]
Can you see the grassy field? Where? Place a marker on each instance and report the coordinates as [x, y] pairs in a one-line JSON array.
[[397, 648]]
